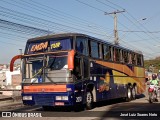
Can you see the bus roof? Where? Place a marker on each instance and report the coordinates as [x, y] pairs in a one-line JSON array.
[[56, 36], [61, 35]]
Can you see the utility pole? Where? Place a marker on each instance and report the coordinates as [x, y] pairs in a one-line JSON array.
[[116, 40]]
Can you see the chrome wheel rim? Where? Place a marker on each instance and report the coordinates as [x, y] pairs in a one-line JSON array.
[[133, 92], [89, 97], [129, 93]]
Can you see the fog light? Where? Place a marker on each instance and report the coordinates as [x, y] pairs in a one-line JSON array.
[[27, 97], [61, 97]]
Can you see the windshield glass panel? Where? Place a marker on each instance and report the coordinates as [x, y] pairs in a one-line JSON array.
[[46, 68], [57, 63]]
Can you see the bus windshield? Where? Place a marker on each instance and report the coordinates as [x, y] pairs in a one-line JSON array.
[[46, 68]]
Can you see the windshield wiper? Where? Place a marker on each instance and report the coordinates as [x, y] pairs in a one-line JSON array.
[[52, 62], [39, 72]]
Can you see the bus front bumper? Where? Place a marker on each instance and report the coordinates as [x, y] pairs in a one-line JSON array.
[[48, 99]]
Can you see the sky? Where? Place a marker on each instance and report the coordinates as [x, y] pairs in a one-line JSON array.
[[138, 27]]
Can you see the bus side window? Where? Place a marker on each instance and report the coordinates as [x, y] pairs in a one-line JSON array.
[[116, 55], [134, 59], [94, 49], [139, 60], [121, 56], [142, 59], [100, 51], [111, 52], [130, 58], [106, 52], [125, 53], [82, 45]]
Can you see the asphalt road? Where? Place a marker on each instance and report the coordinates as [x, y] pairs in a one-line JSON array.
[[114, 109]]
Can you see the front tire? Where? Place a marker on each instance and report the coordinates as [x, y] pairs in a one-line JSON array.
[[150, 97], [89, 100]]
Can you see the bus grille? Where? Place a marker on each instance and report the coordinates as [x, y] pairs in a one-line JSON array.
[[44, 100]]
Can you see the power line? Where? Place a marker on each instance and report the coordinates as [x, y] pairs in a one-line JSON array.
[[46, 11], [66, 26], [90, 6], [49, 23], [115, 31], [103, 11], [130, 21], [134, 19], [23, 26], [106, 4], [48, 8], [114, 4], [39, 19], [139, 31]]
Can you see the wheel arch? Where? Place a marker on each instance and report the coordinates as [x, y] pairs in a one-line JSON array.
[[91, 87]]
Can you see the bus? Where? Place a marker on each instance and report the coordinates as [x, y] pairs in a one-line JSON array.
[[74, 69]]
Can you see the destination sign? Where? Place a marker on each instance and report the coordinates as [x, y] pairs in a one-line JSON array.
[[37, 47], [55, 45], [64, 44]]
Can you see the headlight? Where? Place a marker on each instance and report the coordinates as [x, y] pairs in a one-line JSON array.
[[27, 97], [61, 97]]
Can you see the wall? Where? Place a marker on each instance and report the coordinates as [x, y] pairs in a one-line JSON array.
[[9, 76]]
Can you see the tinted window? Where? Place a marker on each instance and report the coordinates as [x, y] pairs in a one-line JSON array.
[[133, 57], [116, 55], [125, 56], [106, 52], [82, 45], [139, 60], [56, 63], [100, 51], [94, 49]]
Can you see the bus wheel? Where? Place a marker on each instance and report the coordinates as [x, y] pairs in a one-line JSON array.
[[134, 93], [89, 100], [129, 94]]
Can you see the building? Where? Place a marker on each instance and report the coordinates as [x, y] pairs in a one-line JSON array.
[[9, 79], [2, 78], [10, 75]]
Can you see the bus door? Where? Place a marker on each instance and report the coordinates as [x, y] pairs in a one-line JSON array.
[[81, 75], [78, 76]]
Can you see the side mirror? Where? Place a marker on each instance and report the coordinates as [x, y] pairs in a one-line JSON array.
[[13, 60], [71, 59]]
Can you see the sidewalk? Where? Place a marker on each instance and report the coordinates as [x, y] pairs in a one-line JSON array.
[[4, 97], [8, 101]]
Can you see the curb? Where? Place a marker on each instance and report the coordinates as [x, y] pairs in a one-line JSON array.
[[10, 101], [5, 99], [10, 104]]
